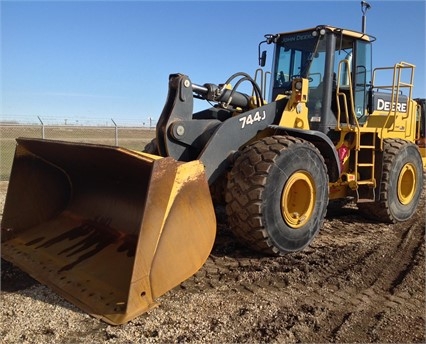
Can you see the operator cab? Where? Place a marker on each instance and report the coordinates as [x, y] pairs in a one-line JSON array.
[[337, 63]]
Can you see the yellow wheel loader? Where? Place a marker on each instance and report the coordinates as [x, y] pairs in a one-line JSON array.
[[112, 229]]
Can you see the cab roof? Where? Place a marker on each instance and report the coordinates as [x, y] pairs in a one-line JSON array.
[[346, 32]]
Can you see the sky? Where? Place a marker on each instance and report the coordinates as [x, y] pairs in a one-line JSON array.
[[85, 61]]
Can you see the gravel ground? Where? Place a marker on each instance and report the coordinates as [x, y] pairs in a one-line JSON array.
[[359, 281]]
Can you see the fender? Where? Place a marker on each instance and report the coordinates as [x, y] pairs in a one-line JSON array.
[[320, 141], [234, 133]]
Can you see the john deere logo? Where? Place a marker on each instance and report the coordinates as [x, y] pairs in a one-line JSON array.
[[384, 105]]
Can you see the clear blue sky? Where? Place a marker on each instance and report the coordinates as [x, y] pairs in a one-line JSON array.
[[81, 60]]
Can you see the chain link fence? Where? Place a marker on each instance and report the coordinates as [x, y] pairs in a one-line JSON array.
[[129, 137]]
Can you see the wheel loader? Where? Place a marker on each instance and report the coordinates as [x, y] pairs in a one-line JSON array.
[[113, 229]]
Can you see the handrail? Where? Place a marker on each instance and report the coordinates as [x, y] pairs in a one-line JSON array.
[[395, 88], [351, 96], [263, 81]]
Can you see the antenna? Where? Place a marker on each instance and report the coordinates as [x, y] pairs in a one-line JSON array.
[[365, 6]]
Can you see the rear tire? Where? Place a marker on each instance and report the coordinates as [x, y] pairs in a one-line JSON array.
[[401, 183], [277, 194]]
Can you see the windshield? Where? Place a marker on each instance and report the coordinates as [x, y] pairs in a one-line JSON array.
[[294, 55]]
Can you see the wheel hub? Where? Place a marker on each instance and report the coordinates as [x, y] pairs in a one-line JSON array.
[[298, 199], [407, 184]]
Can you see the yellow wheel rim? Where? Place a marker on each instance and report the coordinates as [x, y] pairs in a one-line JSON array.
[[407, 184], [298, 199]]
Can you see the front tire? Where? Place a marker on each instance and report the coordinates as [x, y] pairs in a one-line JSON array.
[[151, 147], [277, 194], [401, 183]]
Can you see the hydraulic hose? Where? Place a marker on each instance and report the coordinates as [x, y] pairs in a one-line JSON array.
[[218, 94]]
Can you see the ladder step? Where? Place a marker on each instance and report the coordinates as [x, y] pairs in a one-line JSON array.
[[365, 195], [371, 147], [366, 182], [365, 200], [365, 165]]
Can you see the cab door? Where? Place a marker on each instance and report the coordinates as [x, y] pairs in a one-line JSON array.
[[361, 78]]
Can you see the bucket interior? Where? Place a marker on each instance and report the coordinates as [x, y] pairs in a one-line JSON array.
[[72, 218]]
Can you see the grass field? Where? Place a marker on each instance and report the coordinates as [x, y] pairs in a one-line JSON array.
[[132, 138]]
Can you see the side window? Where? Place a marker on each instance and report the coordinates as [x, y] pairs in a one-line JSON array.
[[362, 77], [352, 66], [363, 61], [316, 81], [342, 78]]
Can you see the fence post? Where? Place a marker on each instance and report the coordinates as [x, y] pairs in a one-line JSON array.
[[116, 132], [42, 127]]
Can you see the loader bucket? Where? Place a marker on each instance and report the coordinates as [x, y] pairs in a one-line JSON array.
[[107, 228]]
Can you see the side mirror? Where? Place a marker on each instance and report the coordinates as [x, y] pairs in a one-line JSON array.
[[262, 59]]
